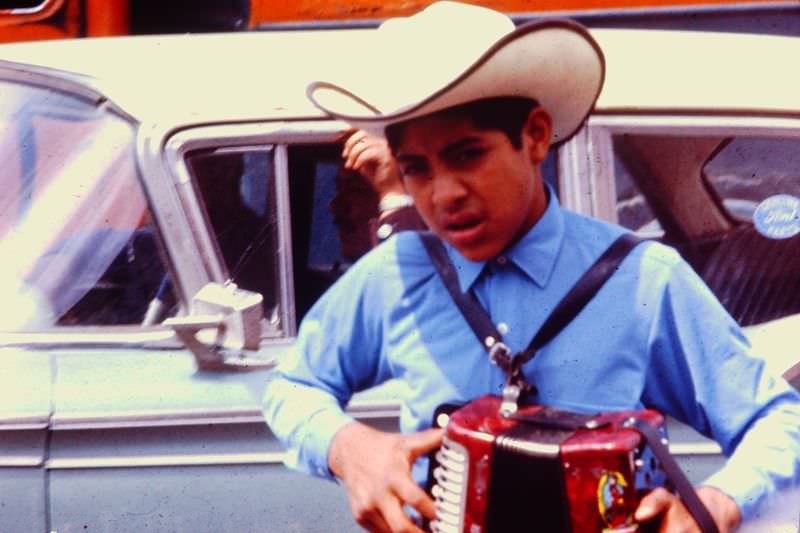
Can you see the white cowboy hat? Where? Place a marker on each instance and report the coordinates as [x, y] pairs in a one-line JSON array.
[[452, 53]]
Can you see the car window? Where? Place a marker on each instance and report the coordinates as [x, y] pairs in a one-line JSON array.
[[747, 171], [317, 250], [632, 207], [76, 236], [730, 205], [237, 186]]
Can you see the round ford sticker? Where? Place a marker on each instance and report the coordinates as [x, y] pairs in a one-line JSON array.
[[778, 217]]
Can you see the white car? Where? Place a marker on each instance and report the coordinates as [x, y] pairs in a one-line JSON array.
[[165, 224]]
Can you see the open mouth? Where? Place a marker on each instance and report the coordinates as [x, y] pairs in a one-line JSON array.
[[464, 230], [463, 225]]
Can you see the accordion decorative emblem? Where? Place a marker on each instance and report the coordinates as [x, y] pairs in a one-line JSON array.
[[542, 469]]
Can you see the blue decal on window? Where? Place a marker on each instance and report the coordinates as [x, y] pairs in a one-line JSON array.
[[778, 217]]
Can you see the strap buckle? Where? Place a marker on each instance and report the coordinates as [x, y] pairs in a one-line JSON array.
[[510, 403], [499, 353], [516, 387]]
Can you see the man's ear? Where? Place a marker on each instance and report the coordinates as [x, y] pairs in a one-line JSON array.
[[536, 134]]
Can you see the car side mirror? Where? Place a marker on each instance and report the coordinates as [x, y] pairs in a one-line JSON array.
[[224, 323]]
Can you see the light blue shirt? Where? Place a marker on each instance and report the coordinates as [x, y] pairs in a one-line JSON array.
[[653, 336]]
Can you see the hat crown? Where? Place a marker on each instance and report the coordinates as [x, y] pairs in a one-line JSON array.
[[452, 53], [444, 33]]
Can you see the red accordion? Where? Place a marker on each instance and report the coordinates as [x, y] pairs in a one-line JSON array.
[[542, 469]]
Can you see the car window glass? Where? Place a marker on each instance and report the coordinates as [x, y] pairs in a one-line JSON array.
[[317, 249], [76, 236], [730, 205], [747, 171], [757, 181], [632, 208], [237, 189]]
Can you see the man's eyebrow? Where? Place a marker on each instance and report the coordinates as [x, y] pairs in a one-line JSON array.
[[447, 150], [455, 146], [407, 157]]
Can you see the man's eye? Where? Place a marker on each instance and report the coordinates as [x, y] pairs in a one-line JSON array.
[[469, 154], [413, 170]]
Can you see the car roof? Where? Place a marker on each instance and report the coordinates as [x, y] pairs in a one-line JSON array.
[[652, 70], [262, 75], [196, 78]]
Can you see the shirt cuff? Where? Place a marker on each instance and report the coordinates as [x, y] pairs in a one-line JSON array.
[[743, 487], [312, 456]]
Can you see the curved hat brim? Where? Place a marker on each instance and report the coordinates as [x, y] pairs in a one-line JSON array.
[[555, 62]]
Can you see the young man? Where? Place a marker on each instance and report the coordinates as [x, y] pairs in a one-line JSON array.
[[470, 114]]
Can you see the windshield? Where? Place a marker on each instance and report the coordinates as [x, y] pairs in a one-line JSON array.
[[70, 205]]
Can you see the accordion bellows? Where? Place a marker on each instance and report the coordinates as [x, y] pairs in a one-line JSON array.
[[542, 469]]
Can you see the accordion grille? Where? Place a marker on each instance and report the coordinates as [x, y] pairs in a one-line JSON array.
[[450, 489]]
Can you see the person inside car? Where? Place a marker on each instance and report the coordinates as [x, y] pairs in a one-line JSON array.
[[469, 120]]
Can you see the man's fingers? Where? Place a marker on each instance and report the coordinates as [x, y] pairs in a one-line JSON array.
[[411, 493], [358, 151], [398, 521], [652, 505], [362, 154], [374, 523], [424, 442], [355, 140]]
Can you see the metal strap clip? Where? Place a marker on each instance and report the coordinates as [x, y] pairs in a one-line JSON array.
[[499, 354]]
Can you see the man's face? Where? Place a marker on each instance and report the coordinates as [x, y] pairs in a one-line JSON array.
[[473, 187]]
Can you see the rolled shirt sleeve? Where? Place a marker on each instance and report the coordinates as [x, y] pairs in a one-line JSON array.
[[702, 372], [337, 353]]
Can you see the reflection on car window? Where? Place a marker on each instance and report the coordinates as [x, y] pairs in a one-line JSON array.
[[237, 189], [704, 194], [76, 239], [747, 171], [317, 250], [633, 209]]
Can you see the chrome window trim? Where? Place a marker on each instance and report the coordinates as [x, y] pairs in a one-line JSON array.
[[586, 160], [178, 460], [187, 269], [583, 166], [78, 336], [24, 423], [155, 418], [362, 410], [71, 84], [277, 134], [286, 259], [31, 461], [700, 125]]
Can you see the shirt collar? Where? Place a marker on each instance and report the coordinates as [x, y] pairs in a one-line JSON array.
[[534, 254]]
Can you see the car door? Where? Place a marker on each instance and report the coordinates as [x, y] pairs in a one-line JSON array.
[[157, 444], [109, 422]]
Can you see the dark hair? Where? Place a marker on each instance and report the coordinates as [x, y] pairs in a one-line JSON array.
[[504, 113]]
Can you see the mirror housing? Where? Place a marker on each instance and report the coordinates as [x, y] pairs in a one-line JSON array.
[[224, 322]]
